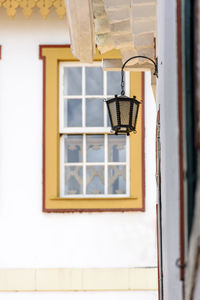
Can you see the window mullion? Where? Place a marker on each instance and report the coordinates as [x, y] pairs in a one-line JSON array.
[[62, 167], [105, 136], [106, 163], [104, 92], [83, 97], [84, 164], [61, 126], [84, 135], [128, 165], [61, 100]]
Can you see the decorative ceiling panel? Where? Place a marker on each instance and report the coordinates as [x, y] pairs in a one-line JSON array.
[[27, 7]]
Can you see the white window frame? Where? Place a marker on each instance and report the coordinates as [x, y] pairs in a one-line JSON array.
[[89, 130]]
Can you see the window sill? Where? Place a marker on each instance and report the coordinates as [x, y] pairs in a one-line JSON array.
[[59, 204], [93, 199]]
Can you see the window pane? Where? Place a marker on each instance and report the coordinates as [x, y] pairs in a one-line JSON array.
[[94, 112], [108, 119], [94, 81], [117, 180], [72, 81], [73, 113], [113, 83], [73, 180], [95, 180], [95, 148], [73, 148], [116, 148]]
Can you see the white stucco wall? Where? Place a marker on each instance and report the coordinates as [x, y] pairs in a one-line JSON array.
[[30, 238], [168, 100]]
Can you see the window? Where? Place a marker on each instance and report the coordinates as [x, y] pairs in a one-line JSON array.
[[93, 163], [85, 167]]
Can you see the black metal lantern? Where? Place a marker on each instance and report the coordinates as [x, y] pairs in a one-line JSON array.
[[122, 110]]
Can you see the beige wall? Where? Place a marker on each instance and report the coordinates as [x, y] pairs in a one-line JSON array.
[[143, 279]]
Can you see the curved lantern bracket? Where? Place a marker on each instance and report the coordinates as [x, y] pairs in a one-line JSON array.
[[134, 57]]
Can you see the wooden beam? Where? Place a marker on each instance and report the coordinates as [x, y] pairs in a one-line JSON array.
[[80, 21]]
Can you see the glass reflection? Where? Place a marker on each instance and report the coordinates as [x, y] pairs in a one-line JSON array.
[[73, 113], [94, 112], [95, 180], [95, 148], [73, 180], [117, 180], [72, 81], [73, 148], [113, 83], [116, 148], [94, 81]]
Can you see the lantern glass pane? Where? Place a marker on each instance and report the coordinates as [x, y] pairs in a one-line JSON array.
[[116, 148], [73, 145], [73, 113], [95, 148], [117, 180], [95, 180], [72, 81], [108, 120], [73, 180], [94, 81], [94, 112], [134, 115], [124, 107], [113, 83], [113, 112]]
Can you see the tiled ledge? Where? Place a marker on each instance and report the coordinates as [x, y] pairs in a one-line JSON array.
[[78, 279]]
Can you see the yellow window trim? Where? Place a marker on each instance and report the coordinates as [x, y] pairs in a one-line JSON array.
[[51, 56]]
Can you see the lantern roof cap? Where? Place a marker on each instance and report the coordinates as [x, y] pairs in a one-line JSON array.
[[123, 97]]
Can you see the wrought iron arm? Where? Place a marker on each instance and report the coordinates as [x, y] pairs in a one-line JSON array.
[[138, 56]]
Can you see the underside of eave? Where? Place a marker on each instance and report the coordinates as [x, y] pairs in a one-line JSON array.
[[126, 25]]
